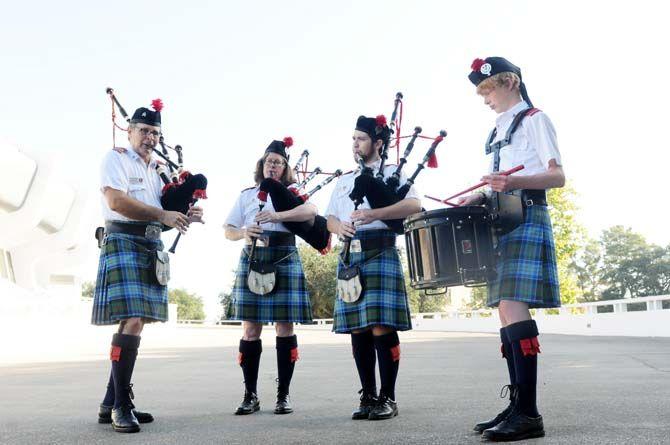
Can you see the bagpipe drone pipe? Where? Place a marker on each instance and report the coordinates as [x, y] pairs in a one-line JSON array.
[[181, 189]]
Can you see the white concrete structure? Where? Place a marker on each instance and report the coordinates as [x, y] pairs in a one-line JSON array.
[[42, 220]]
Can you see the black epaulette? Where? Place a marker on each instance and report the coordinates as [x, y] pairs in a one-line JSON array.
[[121, 150], [248, 188]]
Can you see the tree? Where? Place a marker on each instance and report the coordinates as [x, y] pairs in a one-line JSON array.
[[189, 306], [226, 300], [630, 263], [87, 289], [588, 268], [320, 271], [478, 297], [569, 236], [419, 301]]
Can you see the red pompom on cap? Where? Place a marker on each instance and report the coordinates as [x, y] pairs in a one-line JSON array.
[[288, 141], [477, 64], [380, 120], [157, 105], [262, 196]]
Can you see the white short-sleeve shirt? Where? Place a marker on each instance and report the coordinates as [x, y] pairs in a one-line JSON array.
[[533, 144], [341, 206], [124, 170], [245, 209]]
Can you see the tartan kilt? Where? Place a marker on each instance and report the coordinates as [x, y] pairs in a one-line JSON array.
[[288, 301], [384, 298], [126, 285], [526, 267]]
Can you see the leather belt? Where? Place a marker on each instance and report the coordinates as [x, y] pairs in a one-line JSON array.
[[531, 197], [149, 231], [376, 243], [277, 239]]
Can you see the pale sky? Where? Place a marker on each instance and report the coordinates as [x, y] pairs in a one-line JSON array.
[[234, 76]]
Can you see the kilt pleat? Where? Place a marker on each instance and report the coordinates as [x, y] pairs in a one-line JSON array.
[[384, 297], [289, 300], [526, 267], [126, 286]]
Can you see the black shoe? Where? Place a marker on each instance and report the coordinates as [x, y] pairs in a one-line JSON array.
[[123, 420], [516, 426], [250, 404], [513, 391], [384, 409], [283, 405], [368, 401], [105, 415]]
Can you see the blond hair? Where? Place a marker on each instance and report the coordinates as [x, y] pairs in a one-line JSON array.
[[499, 80]]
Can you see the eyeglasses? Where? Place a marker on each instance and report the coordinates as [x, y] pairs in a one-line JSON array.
[[145, 132], [274, 163]]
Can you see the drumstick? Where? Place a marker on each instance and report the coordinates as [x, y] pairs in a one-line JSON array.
[[442, 201], [481, 184]]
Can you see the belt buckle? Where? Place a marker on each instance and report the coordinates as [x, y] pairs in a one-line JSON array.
[[529, 202], [152, 232], [355, 246]]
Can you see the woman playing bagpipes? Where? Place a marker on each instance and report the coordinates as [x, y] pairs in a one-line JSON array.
[[371, 304], [270, 283]]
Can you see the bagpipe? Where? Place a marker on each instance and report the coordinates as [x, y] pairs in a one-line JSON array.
[[382, 192], [284, 198], [181, 189]]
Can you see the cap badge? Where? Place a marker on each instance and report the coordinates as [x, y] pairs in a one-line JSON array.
[[485, 69]]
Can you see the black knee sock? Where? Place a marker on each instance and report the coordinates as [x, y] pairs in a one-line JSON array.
[[109, 395], [123, 356], [388, 354], [287, 355], [363, 349], [508, 355], [250, 359], [523, 337]]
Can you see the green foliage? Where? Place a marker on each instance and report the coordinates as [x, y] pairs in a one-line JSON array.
[[569, 236], [189, 306], [226, 300], [320, 272], [419, 301], [87, 289], [630, 263], [588, 268], [478, 298]]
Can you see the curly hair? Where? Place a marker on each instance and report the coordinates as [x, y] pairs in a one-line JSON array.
[[499, 80]]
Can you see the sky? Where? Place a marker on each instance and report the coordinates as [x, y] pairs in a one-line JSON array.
[[236, 75]]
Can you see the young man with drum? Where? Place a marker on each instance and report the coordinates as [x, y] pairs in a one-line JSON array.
[[379, 308], [285, 300], [526, 270]]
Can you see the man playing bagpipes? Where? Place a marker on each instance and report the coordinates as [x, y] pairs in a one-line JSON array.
[[270, 283], [131, 286], [371, 302], [526, 271]]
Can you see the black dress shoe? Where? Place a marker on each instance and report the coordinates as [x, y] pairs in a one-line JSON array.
[[516, 426], [368, 401], [283, 405], [480, 427], [250, 404], [124, 421], [384, 409], [105, 415]]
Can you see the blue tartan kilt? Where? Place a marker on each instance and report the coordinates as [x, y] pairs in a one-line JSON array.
[[384, 297], [126, 285], [289, 300], [526, 267]]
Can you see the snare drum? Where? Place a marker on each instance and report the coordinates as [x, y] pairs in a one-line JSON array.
[[449, 247]]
